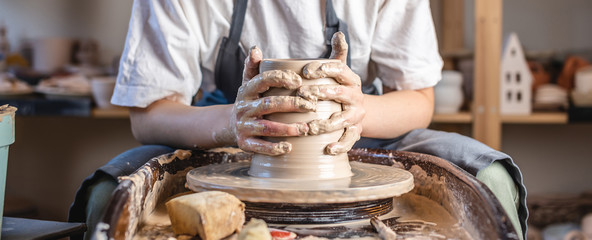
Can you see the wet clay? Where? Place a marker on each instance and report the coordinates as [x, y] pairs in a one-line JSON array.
[[414, 217], [369, 182], [308, 158], [143, 196], [6, 110]]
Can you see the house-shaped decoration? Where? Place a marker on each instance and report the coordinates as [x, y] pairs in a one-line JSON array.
[[515, 79]]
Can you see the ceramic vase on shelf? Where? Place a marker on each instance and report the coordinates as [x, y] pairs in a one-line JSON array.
[[51, 54], [308, 159], [102, 91], [448, 93]]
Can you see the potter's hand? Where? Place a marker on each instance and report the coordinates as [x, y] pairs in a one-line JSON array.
[[348, 93], [247, 122]]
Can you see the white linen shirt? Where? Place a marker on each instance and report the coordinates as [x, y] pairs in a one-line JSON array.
[[172, 45]]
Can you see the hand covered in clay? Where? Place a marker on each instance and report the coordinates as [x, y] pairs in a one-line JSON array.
[[247, 121], [348, 93]]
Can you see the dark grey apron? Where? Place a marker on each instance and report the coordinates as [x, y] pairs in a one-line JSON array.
[[230, 61]]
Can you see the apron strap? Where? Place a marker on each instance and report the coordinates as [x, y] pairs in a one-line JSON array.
[[236, 25], [230, 61], [332, 25]]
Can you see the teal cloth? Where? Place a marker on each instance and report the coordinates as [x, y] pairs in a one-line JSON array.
[[499, 181]]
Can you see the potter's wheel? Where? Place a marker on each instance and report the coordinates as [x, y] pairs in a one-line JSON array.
[[369, 182], [367, 193]]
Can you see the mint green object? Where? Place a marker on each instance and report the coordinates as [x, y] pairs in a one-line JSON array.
[[6, 138]]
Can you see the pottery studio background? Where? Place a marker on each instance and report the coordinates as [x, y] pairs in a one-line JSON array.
[[52, 154]]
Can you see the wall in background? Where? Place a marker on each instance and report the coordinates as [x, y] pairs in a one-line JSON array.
[[553, 158], [542, 25], [52, 155], [103, 20]]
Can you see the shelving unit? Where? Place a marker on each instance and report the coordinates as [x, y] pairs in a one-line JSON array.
[[486, 119], [110, 113], [535, 118], [461, 117]]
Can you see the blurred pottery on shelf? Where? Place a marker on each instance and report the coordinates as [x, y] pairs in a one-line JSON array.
[[581, 99], [50, 54], [562, 231], [87, 52], [570, 67], [68, 86], [583, 80], [448, 93], [102, 90], [550, 97], [467, 68], [515, 79], [539, 75], [534, 233]]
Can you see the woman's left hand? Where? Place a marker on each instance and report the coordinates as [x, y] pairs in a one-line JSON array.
[[348, 93]]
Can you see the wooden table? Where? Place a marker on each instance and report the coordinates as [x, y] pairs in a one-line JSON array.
[[22, 228]]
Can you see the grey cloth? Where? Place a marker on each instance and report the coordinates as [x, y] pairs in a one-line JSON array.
[[467, 153]]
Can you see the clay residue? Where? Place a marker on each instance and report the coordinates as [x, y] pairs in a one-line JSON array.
[[150, 189], [434, 187], [413, 217], [178, 154], [6, 110], [229, 150]]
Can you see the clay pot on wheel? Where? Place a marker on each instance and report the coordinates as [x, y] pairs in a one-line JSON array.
[[307, 160]]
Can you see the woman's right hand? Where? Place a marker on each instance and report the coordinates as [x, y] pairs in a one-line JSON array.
[[247, 124]]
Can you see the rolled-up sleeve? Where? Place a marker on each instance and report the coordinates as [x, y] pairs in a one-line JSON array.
[[405, 47], [160, 58]]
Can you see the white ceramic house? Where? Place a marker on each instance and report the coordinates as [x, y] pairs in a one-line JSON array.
[[515, 79]]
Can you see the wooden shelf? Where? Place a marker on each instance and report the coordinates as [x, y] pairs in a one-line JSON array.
[[461, 117], [537, 118], [534, 118], [110, 113]]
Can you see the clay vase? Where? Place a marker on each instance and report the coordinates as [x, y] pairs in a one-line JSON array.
[[570, 67], [307, 160], [539, 75], [448, 94]]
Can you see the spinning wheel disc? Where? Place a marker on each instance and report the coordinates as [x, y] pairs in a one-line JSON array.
[[369, 182]]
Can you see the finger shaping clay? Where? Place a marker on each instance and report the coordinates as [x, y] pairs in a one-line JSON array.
[[307, 185], [308, 158]]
